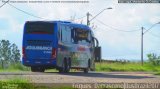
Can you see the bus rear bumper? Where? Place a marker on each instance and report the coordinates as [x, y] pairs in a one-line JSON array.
[[39, 63]]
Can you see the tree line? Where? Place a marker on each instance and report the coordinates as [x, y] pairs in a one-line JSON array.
[[9, 53]]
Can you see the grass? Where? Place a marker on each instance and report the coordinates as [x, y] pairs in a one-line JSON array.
[[100, 67], [15, 68], [158, 73], [19, 83], [15, 83], [129, 67], [51, 70]]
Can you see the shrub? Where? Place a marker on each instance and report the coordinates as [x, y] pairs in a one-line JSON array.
[[154, 59]]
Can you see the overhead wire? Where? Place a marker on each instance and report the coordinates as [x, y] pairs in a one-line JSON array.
[[30, 14], [25, 11], [116, 28], [4, 3], [153, 34]]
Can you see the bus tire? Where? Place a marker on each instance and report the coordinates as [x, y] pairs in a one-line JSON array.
[[61, 69], [37, 69], [33, 69], [41, 70], [66, 65], [89, 65], [86, 70]]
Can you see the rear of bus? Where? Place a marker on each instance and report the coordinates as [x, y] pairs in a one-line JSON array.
[[39, 45]]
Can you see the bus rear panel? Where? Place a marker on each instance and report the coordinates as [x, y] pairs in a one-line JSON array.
[[39, 44]]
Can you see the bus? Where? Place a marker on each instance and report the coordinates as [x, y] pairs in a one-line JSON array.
[[58, 44]]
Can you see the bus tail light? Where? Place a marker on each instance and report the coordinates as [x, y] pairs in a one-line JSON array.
[[23, 52], [53, 53]]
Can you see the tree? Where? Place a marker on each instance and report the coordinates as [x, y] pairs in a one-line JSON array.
[[9, 53], [15, 56], [154, 59]]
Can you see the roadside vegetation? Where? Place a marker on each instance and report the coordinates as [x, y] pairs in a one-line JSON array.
[[16, 67], [19, 83], [10, 57], [158, 73], [128, 67], [151, 65]]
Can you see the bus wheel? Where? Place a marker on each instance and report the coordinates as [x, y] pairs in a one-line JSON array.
[[89, 65], [61, 69], [37, 69], [66, 65], [86, 70], [34, 69], [41, 70]]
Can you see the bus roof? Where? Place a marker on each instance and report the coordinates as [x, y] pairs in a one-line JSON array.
[[67, 23]]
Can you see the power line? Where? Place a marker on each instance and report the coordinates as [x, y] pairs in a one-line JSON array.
[[102, 29], [115, 28], [150, 27], [4, 3], [25, 12]]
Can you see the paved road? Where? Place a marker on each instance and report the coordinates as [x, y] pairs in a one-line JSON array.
[[89, 81], [80, 77]]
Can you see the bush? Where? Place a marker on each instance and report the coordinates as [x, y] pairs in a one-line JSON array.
[[19, 66], [15, 67], [104, 66], [154, 59]]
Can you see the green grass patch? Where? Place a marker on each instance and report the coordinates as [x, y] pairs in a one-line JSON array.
[[130, 67], [19, 83], [158, 73], [15, 68], [15, 83], [51, 70]]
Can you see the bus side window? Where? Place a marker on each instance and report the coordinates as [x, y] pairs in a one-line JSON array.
[[89, 37], [59, 34], [73, 36], [63, 33], [66, 34]]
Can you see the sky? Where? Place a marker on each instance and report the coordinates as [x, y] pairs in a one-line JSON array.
[[118, 30]]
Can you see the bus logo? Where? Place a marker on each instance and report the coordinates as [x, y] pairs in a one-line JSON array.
[[38, 48]]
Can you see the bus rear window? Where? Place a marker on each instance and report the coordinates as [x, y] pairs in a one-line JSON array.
[[39, 28]]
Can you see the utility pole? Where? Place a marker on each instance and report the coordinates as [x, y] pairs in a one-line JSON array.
[[88, 22], [142, 34], [88, 14], [142, 46]]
